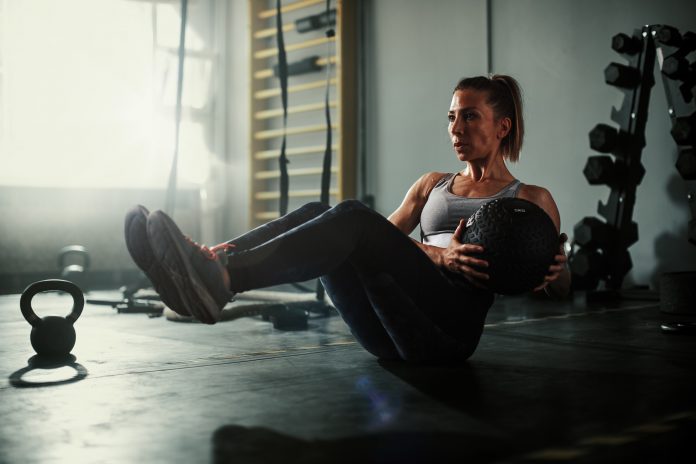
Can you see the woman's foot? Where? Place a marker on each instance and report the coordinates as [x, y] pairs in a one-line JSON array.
[[141, 252], [198, 272]]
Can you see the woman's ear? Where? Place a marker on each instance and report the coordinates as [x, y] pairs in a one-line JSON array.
[[505, 124]]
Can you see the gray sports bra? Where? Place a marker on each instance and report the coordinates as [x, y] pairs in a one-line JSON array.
[[443, 210]]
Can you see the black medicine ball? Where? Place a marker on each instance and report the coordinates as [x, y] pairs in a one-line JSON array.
[[519, 241]]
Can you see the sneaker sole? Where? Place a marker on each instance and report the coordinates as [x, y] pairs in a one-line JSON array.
[[173, 257], [152, 269]]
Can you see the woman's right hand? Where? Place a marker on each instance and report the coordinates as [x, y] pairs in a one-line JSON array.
[[457, 258]]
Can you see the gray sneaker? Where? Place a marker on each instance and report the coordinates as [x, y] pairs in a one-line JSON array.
[[196, 270], [141, 252]]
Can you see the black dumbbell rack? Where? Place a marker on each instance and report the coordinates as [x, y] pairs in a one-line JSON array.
[[600, 248]]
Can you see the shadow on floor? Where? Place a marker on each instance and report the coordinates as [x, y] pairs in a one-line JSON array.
[[256, 445], [38, 363]]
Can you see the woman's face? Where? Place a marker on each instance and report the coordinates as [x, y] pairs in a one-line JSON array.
[[474, 131]]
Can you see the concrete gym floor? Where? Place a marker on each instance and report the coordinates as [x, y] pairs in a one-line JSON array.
[[550, 382]]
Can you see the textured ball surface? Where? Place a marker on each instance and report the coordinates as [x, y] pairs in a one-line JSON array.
[[519, 241]]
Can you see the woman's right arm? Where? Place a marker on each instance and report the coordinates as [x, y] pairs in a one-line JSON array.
[[455, 257]]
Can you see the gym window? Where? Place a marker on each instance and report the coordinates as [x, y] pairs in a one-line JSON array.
[[88, 92]]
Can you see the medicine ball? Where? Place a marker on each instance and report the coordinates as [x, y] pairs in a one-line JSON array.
[[519, 241]]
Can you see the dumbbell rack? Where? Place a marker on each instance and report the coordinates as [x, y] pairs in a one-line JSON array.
[[602, 246]]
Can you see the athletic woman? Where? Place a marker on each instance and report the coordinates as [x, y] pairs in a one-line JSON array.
[[402, 299]]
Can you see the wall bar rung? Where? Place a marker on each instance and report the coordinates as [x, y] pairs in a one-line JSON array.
[[293, 194], [292, 173], [271, 154], [265, 14], [270, 93], [269, 52], [268, 73], [293, 110], [275, 133], [271, 31], [329, 65]]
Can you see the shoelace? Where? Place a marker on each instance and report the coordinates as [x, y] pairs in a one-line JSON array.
[[211, 253]]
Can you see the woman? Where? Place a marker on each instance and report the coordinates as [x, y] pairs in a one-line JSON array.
[[417, 301]]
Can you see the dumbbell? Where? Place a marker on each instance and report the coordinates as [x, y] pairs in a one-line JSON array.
[[591, 232], [314, 22], [686, 163], [684, 130], [75, 273], [620, 75], [304, 66], [623, 43], [677, 67], [669, 35], [618, 261], [285, 316], [603, 170], [587, 267], [603, 138], [600, 170]]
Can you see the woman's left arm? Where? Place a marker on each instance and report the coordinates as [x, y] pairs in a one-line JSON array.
[[557, 281]]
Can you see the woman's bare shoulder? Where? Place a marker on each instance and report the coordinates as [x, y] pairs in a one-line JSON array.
[[534, 193], [428, 180], [541, 197]]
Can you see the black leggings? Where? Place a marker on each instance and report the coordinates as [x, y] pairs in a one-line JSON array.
[[397, 303]]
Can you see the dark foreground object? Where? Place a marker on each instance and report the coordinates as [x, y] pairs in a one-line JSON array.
[[549, 382]]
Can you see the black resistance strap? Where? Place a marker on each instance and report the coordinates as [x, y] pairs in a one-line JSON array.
[[171, 188], [283, 76], [283, 161], [326, 169]]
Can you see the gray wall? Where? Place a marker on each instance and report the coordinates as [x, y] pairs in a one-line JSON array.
[[558, 50], [416, 51]]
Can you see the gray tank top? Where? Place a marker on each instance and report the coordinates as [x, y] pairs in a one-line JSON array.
[[443, 210]]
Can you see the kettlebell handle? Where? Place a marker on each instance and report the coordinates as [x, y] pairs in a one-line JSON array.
[[44, 286]]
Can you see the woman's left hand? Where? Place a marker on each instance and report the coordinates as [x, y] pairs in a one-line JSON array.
[[555, 269]]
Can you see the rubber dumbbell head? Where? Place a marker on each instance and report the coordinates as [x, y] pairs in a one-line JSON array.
[[623, 43], [620, 75], [600, 170], [686, 163], [668, 35], [676, 67], [587, 267], [619, 262], [684, 130], [628, 235], [592, 232], [603, 138]]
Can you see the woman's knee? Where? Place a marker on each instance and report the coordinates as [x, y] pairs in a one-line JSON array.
[[315, 208], [351, 205]]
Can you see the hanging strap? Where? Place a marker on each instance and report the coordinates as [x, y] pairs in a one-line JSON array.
[[326, 169], [283, 76], [171, 188]]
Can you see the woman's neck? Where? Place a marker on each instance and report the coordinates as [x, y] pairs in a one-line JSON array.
[[491, 169]]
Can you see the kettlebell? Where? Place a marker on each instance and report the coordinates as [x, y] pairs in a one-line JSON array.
[[74, 272], [52, 336]]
